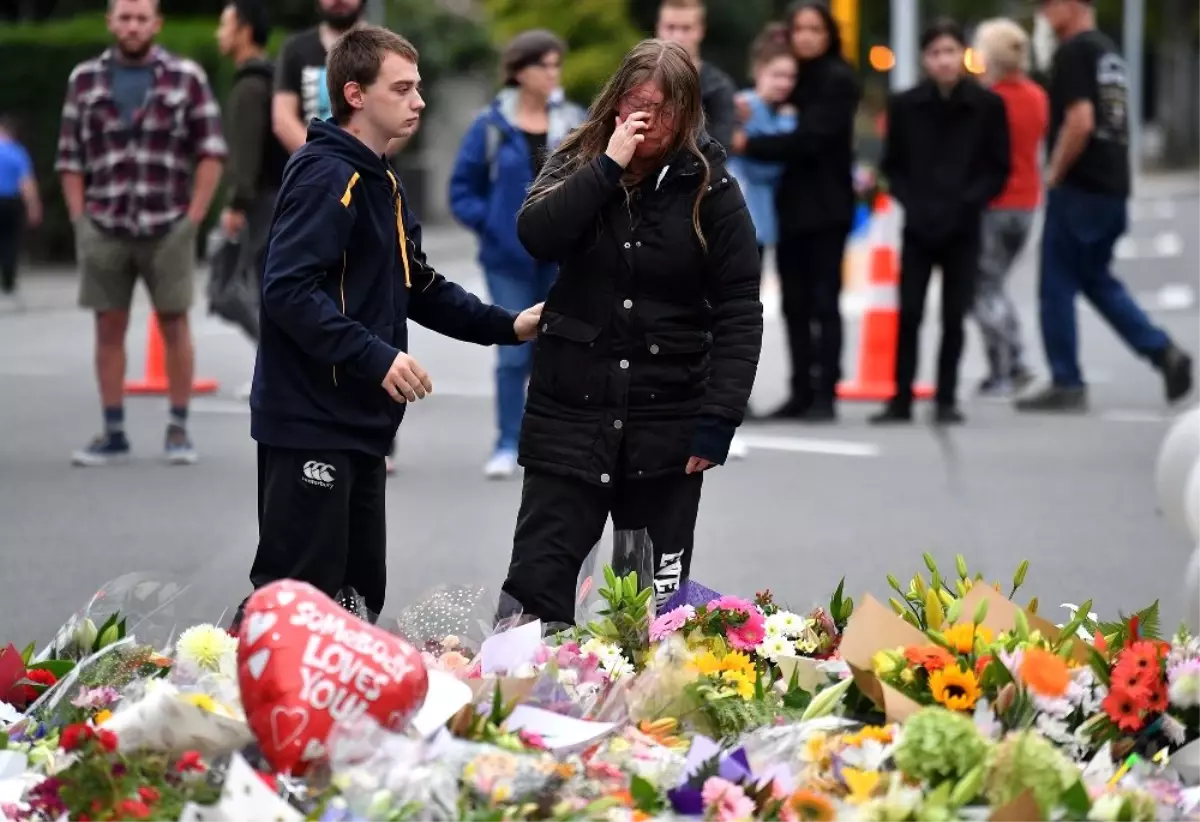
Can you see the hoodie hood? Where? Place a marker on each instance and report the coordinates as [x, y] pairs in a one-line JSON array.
[[563, 115], [326, 139]]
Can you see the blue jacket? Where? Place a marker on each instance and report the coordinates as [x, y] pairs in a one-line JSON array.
[[344, 271], [493, 173], [759, 179]]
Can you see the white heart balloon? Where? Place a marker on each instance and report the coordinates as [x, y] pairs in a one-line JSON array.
[[1176, 457]]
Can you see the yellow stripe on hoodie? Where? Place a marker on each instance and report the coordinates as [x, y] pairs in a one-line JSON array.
[[400, 228]]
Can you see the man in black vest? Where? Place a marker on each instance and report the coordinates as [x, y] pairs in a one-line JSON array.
[[256, 158]]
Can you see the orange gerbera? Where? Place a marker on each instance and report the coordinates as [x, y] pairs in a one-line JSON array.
[[1124, 706], [1045, 673], [1126, 674], [1158, 701], [811, 806], [1143, 655], [929, 657]]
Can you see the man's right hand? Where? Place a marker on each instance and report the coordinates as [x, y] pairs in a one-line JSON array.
[[406, 381]]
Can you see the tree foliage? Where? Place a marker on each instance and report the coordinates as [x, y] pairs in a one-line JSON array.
[[598, 33]]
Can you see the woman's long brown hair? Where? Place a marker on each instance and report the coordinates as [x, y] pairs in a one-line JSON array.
[[667, 64]]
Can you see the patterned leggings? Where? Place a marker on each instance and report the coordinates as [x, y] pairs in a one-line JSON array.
[[1004, 233]]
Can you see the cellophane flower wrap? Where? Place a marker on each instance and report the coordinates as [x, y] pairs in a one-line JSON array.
[[632, 553], [196, 707], [450, 623]]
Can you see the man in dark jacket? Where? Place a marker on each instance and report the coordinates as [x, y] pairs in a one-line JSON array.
[[344, 272], [254, 168], [946, 158], [682, 22]]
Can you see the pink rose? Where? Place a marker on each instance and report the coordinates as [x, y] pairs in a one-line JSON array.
[[726, 801]]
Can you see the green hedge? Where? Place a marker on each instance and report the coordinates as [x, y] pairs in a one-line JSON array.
[[39, 60]]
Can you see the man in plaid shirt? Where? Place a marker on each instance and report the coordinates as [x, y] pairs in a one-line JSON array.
[[140, 154]]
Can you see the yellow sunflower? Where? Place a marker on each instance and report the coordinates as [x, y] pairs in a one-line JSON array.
[[955, 688], [962, 639], [707, 664], [811, 806], [738, 662], [742, 685]]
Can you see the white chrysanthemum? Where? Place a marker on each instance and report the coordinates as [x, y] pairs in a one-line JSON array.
[[773, 646], [206, 647], [612, 661], [784, 623]]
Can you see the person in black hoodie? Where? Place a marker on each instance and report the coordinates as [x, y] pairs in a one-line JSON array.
[[946, 157], [650, 337], [254, 168], [344, 272], [815, 206]]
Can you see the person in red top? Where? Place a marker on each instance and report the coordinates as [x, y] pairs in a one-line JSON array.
[[1004, 47]]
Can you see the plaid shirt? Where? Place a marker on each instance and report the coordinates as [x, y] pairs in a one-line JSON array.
[[138, 175]]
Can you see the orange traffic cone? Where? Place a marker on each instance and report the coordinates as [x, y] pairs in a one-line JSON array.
[[154, 380], [876, 378]]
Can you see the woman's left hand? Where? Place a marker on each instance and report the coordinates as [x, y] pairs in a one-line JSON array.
[[697, 464]]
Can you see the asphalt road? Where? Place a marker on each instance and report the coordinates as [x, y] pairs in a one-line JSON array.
[[1074, 495]]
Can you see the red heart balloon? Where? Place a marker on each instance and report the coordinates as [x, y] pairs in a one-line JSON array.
[[306, 664]]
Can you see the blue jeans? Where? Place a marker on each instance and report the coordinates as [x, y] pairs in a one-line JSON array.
[[1078, 238], [516, 291]]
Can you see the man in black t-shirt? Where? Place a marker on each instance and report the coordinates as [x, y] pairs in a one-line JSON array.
[[301, 94], [1086, 211]]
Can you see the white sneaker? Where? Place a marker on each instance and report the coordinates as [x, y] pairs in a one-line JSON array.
[[502, 465], [738, 450]]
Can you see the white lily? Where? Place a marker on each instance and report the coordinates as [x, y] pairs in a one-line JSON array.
[[1080, 632]]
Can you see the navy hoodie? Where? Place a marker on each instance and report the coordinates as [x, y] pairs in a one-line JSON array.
[[344, 272]]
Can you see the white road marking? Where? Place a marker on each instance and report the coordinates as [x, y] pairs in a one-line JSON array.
[[1164, 245], [798, 445], [1144, 210], [1173, 297], [1134, 416]]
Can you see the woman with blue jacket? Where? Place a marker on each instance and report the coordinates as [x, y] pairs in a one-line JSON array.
[[500, 156]]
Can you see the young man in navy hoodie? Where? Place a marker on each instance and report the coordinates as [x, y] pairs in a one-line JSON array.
[[344, 272]]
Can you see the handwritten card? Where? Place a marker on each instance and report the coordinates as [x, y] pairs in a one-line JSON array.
[[245, 796], [511, 649], [557, 731], [447, 695]]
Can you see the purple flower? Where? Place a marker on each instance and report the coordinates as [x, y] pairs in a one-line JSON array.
[[670, 622], [94, 698]]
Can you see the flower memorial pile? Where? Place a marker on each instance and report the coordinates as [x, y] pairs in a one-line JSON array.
[[951, 701]]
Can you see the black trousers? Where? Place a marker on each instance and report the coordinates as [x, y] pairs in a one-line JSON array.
[[958, 258], [321, 520], [810, 282], [562, 518], [12, 219]]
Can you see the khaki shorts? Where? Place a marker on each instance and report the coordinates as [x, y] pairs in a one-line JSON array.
[[110, 266]]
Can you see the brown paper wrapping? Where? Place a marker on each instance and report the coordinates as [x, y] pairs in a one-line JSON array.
[[1022, 809], [482, 690], [872, 628], [1002, 616]]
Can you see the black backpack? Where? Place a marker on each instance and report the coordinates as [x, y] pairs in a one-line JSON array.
[[275, 156]]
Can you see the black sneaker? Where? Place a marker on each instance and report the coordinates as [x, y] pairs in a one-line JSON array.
[[994, 388], [948, 415], [104, 449], [1056, 399], [1176, 368], [1021, 378], [235, 625], [892, 414], [820, 412]]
